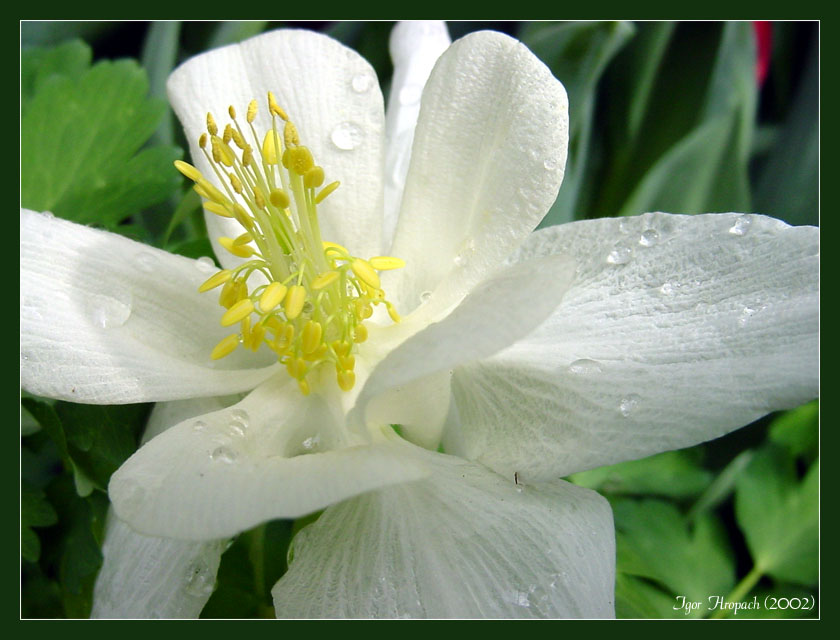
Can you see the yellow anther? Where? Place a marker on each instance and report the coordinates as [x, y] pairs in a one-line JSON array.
[[296, 367], [341, 348], [227, 296], [323, 193], [334, 245], [365, 272], [247, 156], [257, 335], [245, 331], [279, 198], [304, 387], [348, 363], [212, 129], [240, 310], [215, 280], [392, 312], [311, 337], [360, 334], [225, 347], [202, 140], [324, 280], [317, 354], [241, 239], [314, 178], [235, 183], [386, 263], [188, 170], [232, 112], [227, 136], [300, 160], [363, 310], [241, 251], [269, 150], [290, 135], [241, 289], [221, 152], [259, 198], [238, 140], [242, 216], [275, 108], [252, 111], [218, 209], [272, 296], [212, 192], [346, 380], [294, 301]]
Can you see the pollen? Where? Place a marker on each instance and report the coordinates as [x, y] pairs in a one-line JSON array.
[[306, 299]]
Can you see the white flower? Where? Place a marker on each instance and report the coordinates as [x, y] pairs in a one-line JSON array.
[[528, 356]]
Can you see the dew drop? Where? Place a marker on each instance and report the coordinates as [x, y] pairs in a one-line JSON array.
[[747, 313], [239, 421], [48, 214], [131, 495], [668, 289], [362, 82], [311, 443], [649, 237], [198, 579], [425, 296], [584, 367], [741, 226], [410, 94], [199, 425], [628, 404], [146, 262], [110, 311], [346, 136], [550, 164], [223, 454], [205, 265], [459, 260], [620, 254]]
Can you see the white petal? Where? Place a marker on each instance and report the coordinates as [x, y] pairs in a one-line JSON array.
[[415, 47], [313, 78], [464, 543], [167, 414], [498, 312], [145, 577], [486, 164], [108, 320], [276, 454], [711, 323]]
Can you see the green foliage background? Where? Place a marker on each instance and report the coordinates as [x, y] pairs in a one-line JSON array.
[[664, 116]]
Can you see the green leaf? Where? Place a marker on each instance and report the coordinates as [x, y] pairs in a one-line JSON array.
[[635, 598], [232, 31], [160, 53], [577, 54], [673, 474], [80, 145], [654, 541], [35, 511], [37, 66], [722, 486], [778, 514], [798, 430]]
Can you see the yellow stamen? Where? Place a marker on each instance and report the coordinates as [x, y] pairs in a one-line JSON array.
[[269, 151], [240, 251], [225, 347], [188, 170], [346, 380], [240, 310], [212, 129], [215, 280], [294, 301], [279, 198], [324, 280], [252, 111], [218, 209], [272, 296], [314, 178], [361, 333], [323, 193], [386, 263], [366, 272], [311, 336]]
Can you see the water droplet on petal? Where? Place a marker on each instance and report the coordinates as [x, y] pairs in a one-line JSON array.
[[668, 289], [131, 495], [741, 226], [425, 296], [223, 454], [146, 261], [199, 425], [550, 164], [410, 94], [311, 443], [109, 311], [239, 421], [346, 136], [628, 404], [748, 312], [198, 579], [649, 237], [48, 214], [362, 82], [205, 265], [621, 254], [584, 367]]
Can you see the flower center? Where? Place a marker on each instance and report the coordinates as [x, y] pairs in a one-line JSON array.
[[313, 308]]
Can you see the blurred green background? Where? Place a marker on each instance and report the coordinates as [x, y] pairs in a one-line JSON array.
[[680, 117]]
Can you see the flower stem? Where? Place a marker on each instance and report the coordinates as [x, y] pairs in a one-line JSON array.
[[741, 589]]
